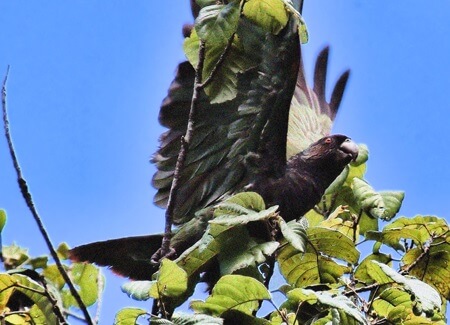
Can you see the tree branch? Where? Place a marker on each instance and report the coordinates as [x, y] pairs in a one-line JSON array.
[[30, 204], [185, 141]]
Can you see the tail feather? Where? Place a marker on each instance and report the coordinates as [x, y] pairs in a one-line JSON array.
[[129, 257]]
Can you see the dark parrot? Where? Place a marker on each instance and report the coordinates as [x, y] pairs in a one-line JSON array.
[[272, 138]]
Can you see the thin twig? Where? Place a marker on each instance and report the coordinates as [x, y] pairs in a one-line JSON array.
[[30, 204], [185, 140]]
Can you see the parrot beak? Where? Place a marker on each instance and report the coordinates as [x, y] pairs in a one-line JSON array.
[[350, 148]]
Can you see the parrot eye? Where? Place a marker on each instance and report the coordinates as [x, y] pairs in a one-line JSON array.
[[328, 140]]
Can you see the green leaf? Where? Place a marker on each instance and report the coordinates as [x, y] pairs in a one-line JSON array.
[[424, 294], [419, 229], [370, 201], [295, 233], [230, 220], [34, 291], [249, 254], [129, 316], [63, 251], [268, 14], [14, 256], [39, 262], [309, 268], [433, 266], [316, 264], [171, 282], [86, 277], [224, 83], [393, 202], [217, 23], [236, 292], [389, 301], [139, 290], [341, 220], [248, 200], [361, 271], [2, 219], [333, 243], [187, 319], [342, 305], [51, 273]]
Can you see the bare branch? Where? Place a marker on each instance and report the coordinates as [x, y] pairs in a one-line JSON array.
[[31, 206], [185, 140]]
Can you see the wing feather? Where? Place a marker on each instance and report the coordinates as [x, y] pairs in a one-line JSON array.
[[225, 133]]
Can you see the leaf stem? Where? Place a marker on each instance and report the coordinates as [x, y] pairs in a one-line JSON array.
[[31, 206]]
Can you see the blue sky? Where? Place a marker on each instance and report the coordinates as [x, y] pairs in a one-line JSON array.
[[87, 79]]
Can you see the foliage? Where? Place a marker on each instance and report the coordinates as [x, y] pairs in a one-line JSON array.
[[328, 278], [32, 290]]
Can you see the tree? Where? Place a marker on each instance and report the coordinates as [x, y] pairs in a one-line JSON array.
[[324, 272]]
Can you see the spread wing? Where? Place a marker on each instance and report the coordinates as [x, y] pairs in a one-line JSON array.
[[224, 134], [274, 115], [311, 116]]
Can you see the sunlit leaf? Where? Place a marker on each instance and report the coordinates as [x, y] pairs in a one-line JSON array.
[[249, 254], [390, 299], [343, 305], [370, 201], [86, 277], [361, 271], [428, 298], [392, 203], [295, 233], [37, 293], [195, 319], [138, 290], [268, 14], [333, 243], [233, 292], [308, 268], [432, 266], [217, 23], [2, 219], [128, 316]]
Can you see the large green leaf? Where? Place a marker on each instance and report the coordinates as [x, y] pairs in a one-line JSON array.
[[392, 202], [361, 271], [250, 254], [196, 319], [425, 295], [224, 83], [295, 233], [316, 264], [433, 266], [342, 305], [369, 200], [171, 281], [87, 278], [308, 268], [268, 14], [419, 229], [390, 299], [217, 23], [44, 312], [129, 316], [237, 292], [333, 243]]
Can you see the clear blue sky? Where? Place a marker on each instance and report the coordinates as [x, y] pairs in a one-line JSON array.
[[87, 79]]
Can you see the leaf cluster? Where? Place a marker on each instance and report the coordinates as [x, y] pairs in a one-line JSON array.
[[32, 290]]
